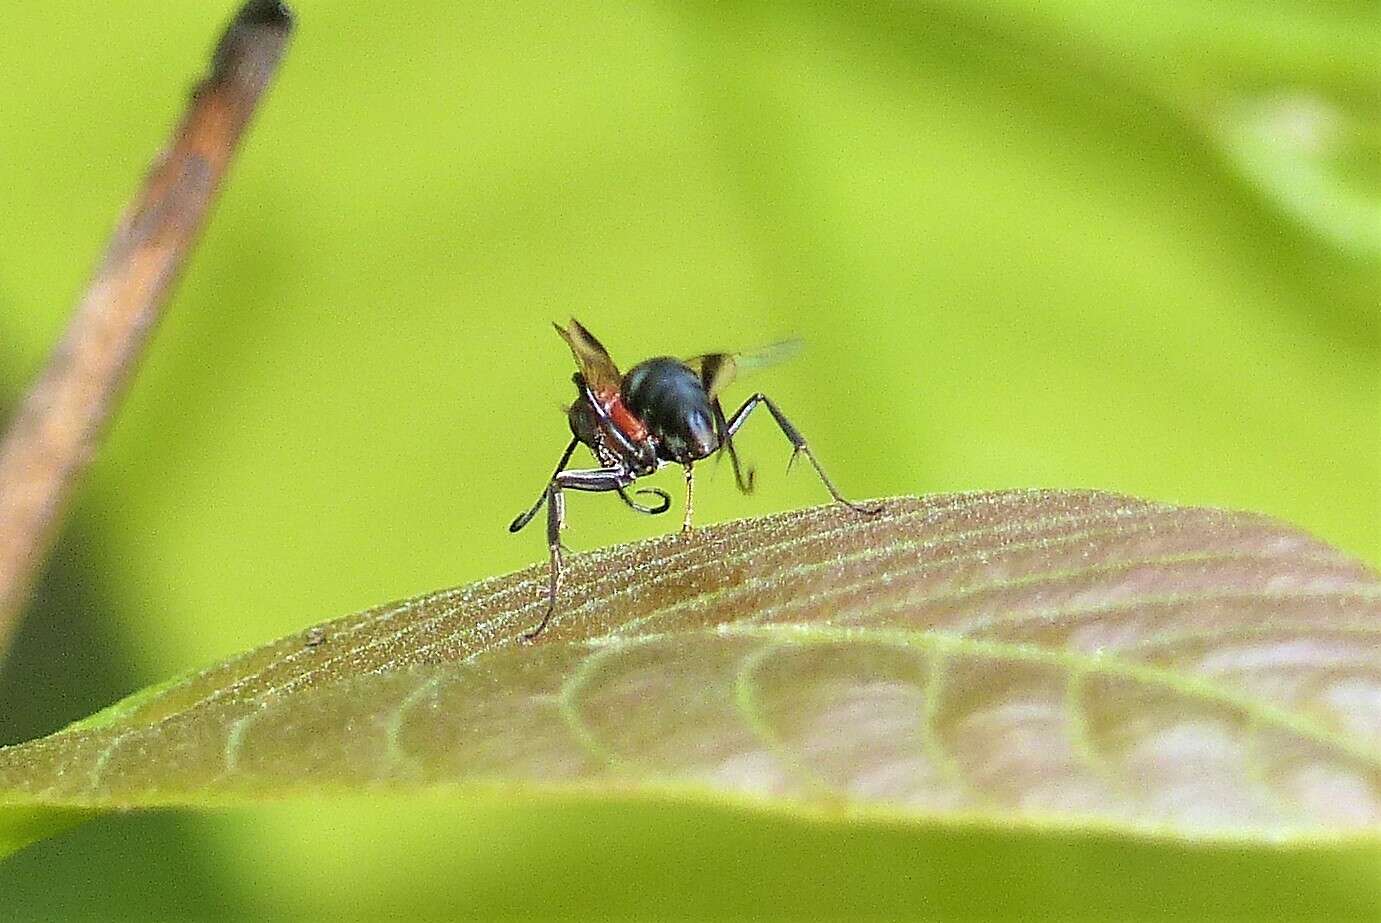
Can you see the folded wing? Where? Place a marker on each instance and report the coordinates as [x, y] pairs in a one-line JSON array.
[[600, 372]]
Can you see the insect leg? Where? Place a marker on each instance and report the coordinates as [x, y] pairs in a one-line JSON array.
[[595, 480], [663, 500], [525, 518], [556, 518], [798, 445], [745, 484], [690, 500]]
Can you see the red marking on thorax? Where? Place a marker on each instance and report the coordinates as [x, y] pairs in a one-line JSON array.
[[628, 424]]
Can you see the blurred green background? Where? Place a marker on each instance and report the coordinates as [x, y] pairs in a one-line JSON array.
[[1060, 243]]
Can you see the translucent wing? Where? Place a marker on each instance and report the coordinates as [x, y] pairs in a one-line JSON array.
[[590, 355], [716, 370]]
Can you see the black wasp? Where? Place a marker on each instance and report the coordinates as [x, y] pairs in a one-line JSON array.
[[663, 411]]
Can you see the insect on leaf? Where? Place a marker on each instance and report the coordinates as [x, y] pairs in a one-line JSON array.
[[1028, 664]]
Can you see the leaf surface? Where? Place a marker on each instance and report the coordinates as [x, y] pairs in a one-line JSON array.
[[1033, 660]]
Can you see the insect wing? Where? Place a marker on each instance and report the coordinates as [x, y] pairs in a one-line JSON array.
[[601, 374], [717, 370]]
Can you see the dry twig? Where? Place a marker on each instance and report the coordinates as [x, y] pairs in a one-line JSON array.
[[59, 425]]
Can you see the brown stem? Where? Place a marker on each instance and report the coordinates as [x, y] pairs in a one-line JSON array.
[[60, 423]]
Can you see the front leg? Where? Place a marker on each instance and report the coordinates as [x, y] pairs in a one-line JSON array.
[[686, 526], [663, 501], [596, 480]]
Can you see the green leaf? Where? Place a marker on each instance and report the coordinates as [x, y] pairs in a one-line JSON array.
[[1029, 664]]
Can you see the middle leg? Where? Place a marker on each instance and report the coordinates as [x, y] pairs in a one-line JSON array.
[[798, 446]]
